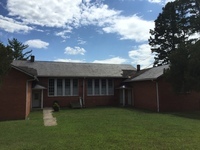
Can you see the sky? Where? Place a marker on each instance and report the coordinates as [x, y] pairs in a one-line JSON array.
[[88, 31]]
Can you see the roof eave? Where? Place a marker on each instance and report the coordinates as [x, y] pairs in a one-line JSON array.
[[27, 73]]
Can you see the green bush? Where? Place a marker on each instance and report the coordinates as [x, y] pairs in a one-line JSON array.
[[56, 106]]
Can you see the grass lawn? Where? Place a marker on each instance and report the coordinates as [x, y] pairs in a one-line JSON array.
[[103, 128]]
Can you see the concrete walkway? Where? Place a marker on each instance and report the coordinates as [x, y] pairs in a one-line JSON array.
[[48, 118]]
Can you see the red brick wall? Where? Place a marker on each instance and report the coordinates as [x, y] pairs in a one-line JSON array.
[[90, 101], [144, 95], [13, 96], [171, 101]]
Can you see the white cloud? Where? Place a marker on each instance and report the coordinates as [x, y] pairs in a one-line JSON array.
[[10, 25], [64, 33], [75, 51], [68, 14], [80, 41], [142, 55], [114, 60], [60, 13], [132, 28], [155, 1], [98, 14], [45, 13], [195, 36], [69, 60], [37, 43], [160, 1]]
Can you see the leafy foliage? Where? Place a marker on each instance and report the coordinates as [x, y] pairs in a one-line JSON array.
[[174, 43], [6, 59], [193, 74], [178, 69], [56, 106], [18, 49], [175, 25]]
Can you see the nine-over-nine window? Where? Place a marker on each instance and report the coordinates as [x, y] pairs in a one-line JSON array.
[[100, 87], [63, 87]]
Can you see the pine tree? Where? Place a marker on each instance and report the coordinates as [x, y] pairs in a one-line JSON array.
[[18, 49], [174, 26]]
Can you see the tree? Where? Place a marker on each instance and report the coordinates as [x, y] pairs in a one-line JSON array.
[[193, 73], [177, 74], [6, 58], [175, 25], [18, 49]]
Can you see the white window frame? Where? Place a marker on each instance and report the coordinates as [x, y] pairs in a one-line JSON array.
[[63, 87], [100, 88]]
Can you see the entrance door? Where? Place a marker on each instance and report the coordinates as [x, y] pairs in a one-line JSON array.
[[36, 100], [129, 97], [121, 97]]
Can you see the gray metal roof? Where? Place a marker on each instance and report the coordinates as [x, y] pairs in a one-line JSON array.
[[150, 74], [67, 69]]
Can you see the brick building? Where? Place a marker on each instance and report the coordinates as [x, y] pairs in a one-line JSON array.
[[37, 84]]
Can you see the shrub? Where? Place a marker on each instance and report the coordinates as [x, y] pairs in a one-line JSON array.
[[56, 106]]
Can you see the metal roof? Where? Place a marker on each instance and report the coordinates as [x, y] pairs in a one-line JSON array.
[[150, 74], [68, 69]]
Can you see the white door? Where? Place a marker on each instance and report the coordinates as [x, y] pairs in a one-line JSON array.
[[36, 100]]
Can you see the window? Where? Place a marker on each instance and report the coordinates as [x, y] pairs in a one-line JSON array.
[[89, 87], [67, 87], [96, 87], [63, 87], [110, 87], [51, 87], [75, 87], [103, 86], [100, 87], [59, 87]]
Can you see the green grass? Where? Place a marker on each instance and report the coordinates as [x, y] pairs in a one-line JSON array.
[[103, 128]]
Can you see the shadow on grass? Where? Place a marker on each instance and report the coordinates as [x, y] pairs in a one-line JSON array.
[[185, 114], [189, 114]]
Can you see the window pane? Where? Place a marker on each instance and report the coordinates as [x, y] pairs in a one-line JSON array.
[[59, 87], [110, 87], [75, 87], [96, 87], [89, 87], [67, 87], [51, 87], [103, 86]]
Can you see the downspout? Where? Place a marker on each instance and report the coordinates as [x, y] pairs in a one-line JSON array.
[[157, 97], [83, 100]]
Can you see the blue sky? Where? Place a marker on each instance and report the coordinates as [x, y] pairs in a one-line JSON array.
[[95, 31]]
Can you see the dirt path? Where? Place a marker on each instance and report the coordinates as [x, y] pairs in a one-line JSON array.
[[48, 118]]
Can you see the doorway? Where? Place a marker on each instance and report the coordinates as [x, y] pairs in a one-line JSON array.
[[36, 99]]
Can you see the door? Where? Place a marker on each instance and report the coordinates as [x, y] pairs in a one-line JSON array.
[[129, 97], [36, 100], [121, 96]]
